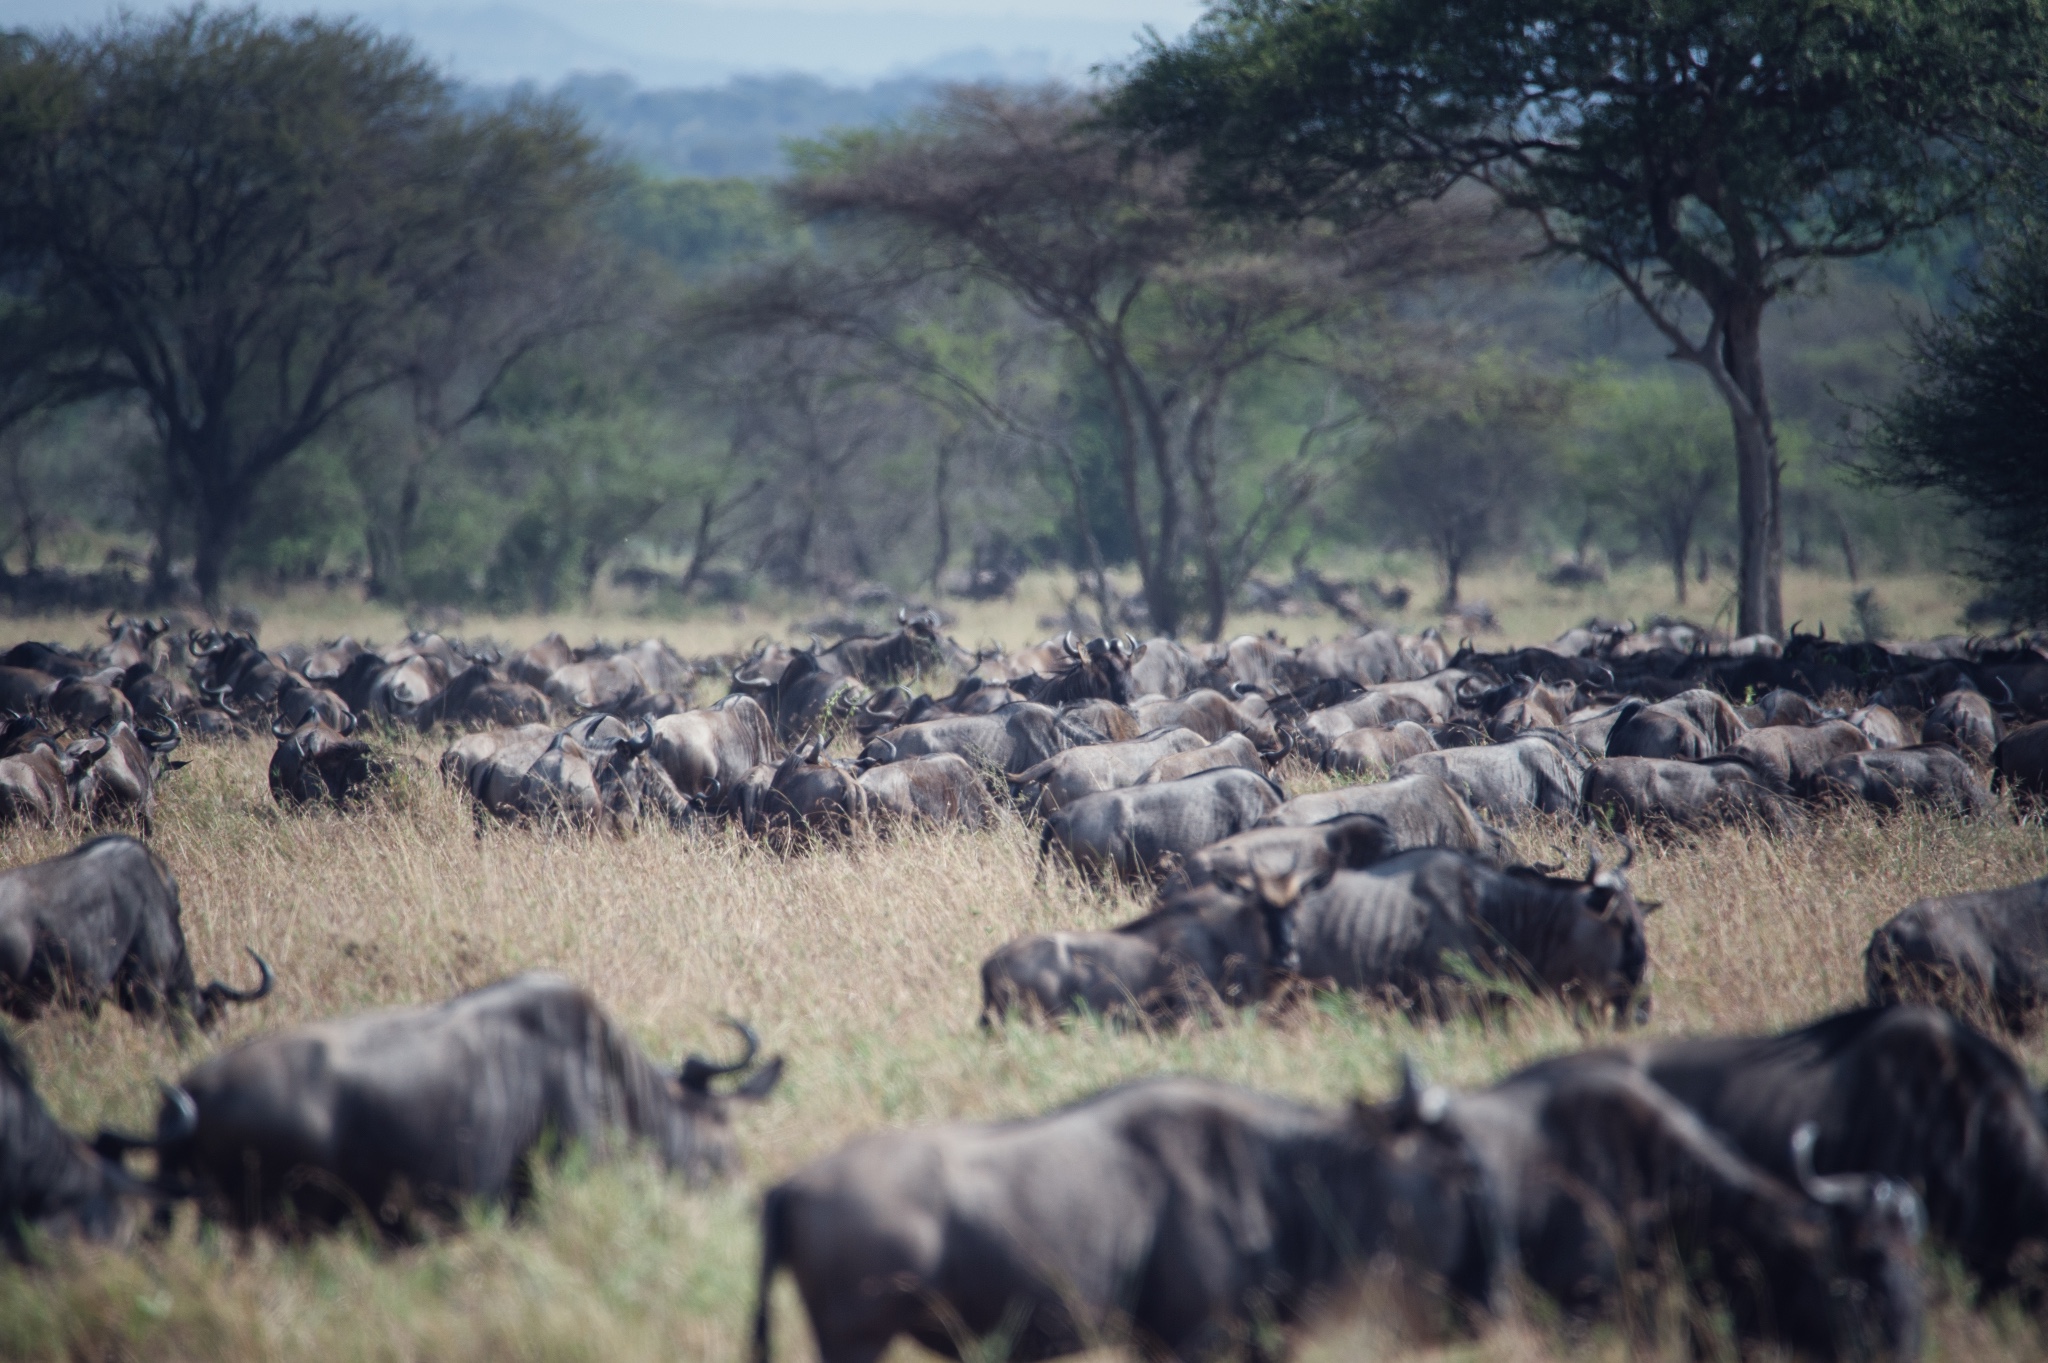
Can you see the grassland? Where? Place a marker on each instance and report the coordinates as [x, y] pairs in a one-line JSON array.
[[859, 962]]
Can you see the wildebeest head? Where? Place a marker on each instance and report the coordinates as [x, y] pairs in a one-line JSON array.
[[1098, 670], [1872, 1296], [209, 1003], [1601, 946], [701, 1124]]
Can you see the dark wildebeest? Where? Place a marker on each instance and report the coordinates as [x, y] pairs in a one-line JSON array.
[[1795, 756], [804, 792], [1396, 929], [315, 762], [708, 752], [1146, 830], [1657, 794], [420, 1110], [1907, 1093], [1376, 752], [328, 662], [299, 703], [103, 918], [232, 665], [939, 789], [1349, 842], [878, 660], [114, 774], [23, 690], [1966, 721], [51, 1181], [1422, 809], [2021, 761], [1177, 1212], [1537, 773], [489, 765], [90, 702], [34, 773], [1210, 714], [1929, 774], [1100, 670], [1983, 953], [1781, 707], [805, 702], [1206, 945], [1012, 739], [1066, 776], [1606, 1182], [598, 775], [1231, 750], [131, 641], [479, 697], [52, 660], [1690, 725]]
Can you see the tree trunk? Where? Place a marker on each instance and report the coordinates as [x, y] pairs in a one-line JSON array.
[[1678, 573], [220, 521], [1759, 597]]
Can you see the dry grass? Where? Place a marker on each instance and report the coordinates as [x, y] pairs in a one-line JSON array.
[[860, 962]]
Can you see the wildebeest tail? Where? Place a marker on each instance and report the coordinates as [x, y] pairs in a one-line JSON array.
[[772, 1249]]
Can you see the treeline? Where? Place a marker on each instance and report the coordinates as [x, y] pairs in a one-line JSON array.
[[284, 305]]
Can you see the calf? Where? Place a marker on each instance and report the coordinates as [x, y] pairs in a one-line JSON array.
[[1231, 750]]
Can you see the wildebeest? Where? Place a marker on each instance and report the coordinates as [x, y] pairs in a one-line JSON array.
[[1204, 945], [1165, 667], [1370, 709], [1605, 1181], [1368, 659], [1796, 756], [391, 1114], [103, 919], [1398, 929], [1781, 707], [1532, 705], [805, 701], [1690, 725], [51, 1181], [1376, 751], [1349, 842], [1210, 714], [90, 702], [232, 665], [1145, 830], [478, 696], [489, 765], [1984, 953], [878, 660], [114, 774], [939, 789], [1177, 1212], [1926, 774], [1965, 721], [803, 791], [1011, 739], [2021, 761], [1884, 729], [1231, 750], [1067, 776], [1537, 773], [708, 752], [22, 689], [1907, 1093], [316, 762], [1421, 808], [34, 773], [596, 774], [1112, 722], [1656, 793]]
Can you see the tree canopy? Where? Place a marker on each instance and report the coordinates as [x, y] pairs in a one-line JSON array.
[[1706, 154]]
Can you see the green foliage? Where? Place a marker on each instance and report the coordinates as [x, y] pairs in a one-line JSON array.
[[699, 226], [1656, 455], [1972, 425]]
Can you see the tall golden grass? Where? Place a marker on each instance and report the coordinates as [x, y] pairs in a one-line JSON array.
[[859, 961]]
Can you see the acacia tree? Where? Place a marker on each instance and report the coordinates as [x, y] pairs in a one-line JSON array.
[[1705, 154], [242, 221], [1169, 311]]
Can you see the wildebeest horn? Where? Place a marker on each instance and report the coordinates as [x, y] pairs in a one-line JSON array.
[[2008, 690], [1849, 1190], [903, 615], [1594, 863], [178, 1123], [890, 746], [1628, 855], [279, 728], [348, 723], [1067, 643], [222, 993], [161, 740], [698, 1072], [1419, 1099]]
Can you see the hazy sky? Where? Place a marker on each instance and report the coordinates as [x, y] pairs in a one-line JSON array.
[[667, 42]]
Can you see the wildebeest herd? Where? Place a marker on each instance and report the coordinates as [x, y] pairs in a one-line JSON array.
[[1786, 1180]]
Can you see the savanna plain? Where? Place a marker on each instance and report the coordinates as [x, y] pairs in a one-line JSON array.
[[858, 961]]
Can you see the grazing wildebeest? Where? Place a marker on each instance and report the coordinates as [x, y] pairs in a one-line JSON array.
[[1397, 928], [103, 918], [708, 752], [478, 696], [1210, 714], [1779, 706], [90, 702], [1966, 721], [1205, 945], [1067, 776], [536, 663], [1655, 793], [1176, 1212], [1984, 953], [804, 791], [599, 776], [939, 789], [878, 660], [1796, 756], [114, 774], [1884, 729], [51, 1181], [474, 763], [1606, 1182], [1231, 750], [1421, 808], [805, 701], [418, 1110], [2021, 761], [1929, 774], [300, 703], [1537, 773], [1349, 842], [1530, 705], [1375, 751], [315, 762], [1011, 739], [1907, 1093], [1114, 723], [1145, 830], [1165, 667]]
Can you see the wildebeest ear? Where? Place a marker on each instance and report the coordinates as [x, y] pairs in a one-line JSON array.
[[1139, 654]]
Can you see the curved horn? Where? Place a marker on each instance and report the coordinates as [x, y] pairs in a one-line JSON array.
[[1420, 1099], [698, 1072], [1067, 643], [903, 615], [2008, 690], [1628, 854], [176, 1123], [279, 728], [1835, 1190], [222, 993], [161, 740], [890, 746], [1594, 863]]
